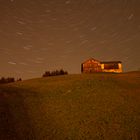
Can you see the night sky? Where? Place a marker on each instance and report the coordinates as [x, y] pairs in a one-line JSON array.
[[39, 35]]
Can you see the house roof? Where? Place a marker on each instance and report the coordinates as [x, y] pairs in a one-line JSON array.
[[102, 62], [110, 62], [91, 59]]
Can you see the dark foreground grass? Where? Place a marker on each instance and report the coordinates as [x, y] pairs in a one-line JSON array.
[[74, 107]]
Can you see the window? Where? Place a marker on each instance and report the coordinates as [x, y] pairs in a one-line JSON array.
[[111, 66]]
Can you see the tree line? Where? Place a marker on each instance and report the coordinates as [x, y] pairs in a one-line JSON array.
[[7, 80], [4, 80], [55, 73]]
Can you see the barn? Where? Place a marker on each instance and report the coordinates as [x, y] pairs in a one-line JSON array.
[[92, 65]]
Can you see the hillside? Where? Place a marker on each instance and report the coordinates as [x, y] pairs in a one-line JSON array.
[[73, 107]]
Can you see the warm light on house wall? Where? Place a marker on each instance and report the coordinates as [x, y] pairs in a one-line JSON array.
[[102, 66], [120, 67], [93, 65]]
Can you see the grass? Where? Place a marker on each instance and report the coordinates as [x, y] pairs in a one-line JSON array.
[[73, 107]]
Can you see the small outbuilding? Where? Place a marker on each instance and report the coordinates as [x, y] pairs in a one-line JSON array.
[[92, 65]]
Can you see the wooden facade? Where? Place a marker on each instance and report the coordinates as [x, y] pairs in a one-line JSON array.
[[92, 65]]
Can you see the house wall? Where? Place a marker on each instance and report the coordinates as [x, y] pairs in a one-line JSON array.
[[91, 66], [117, 70]]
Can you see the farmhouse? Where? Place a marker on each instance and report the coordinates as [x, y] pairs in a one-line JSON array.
[[92, 65]]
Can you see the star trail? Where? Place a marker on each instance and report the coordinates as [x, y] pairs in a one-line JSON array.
[[39, 35]]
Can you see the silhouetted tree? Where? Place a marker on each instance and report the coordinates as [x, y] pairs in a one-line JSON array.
[[2, 80], [7, 80], [46, 74], [19, 79], [55, 73]]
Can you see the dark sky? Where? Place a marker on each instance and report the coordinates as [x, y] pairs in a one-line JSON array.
[[39, 35]]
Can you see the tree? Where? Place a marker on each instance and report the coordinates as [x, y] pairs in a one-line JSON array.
[[19, 79], [55, 73], [46, 74], [4, 80]]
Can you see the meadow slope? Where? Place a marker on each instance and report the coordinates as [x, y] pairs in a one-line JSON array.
[[73, 107]]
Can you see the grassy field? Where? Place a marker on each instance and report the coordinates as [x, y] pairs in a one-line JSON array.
[[73, 107]]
